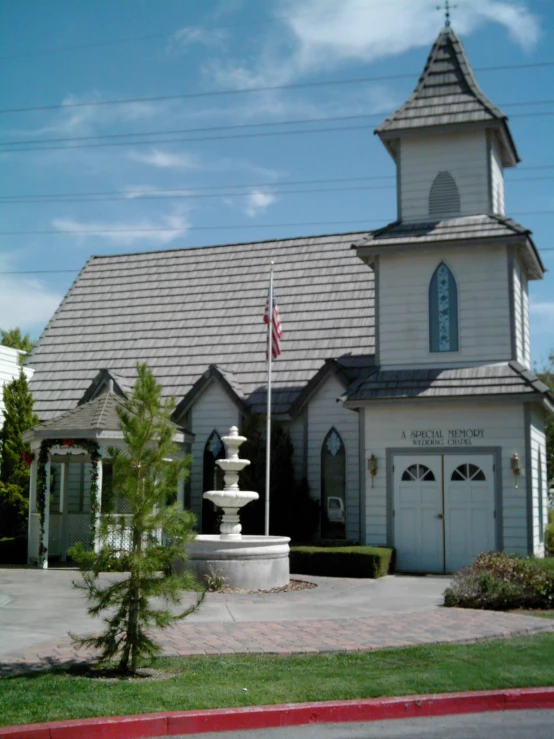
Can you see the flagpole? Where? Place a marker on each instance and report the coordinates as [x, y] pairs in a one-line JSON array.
[[268, 429]]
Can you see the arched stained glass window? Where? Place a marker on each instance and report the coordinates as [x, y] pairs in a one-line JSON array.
[[443, 311], [213, 479], [333, 487], [444, 196]]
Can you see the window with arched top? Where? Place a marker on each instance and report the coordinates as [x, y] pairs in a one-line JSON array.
[[443, 311], [416, 472], [213, 479], [333, 486], [468, 472], [444, 196]]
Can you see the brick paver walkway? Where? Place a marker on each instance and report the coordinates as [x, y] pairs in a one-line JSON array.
[[450, 625]]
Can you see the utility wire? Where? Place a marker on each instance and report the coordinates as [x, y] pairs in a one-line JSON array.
[[130, 193], [264, 88], [184, 229], [206, 129], [252, 135], [191, 195]]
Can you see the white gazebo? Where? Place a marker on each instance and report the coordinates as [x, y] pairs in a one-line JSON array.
[[71, 468]]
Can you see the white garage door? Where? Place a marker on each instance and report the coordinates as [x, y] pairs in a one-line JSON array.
[[443, 511]]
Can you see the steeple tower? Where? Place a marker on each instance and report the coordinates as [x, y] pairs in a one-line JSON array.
[[449, 141]]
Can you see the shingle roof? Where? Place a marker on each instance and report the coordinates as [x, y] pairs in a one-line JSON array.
[[99, 414], [498, 379], [466, 228], [185, 309], [446, 92]]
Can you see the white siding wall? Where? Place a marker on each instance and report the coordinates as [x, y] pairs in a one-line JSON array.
[[525, 320], [214, 409], [483, 308], [538, 448], [323, 413], [497, 181], [521, 315], [503, 426], [296, 430], [464, 155], [9, 368]]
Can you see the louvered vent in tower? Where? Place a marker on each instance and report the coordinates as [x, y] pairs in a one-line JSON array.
[[444, 198]]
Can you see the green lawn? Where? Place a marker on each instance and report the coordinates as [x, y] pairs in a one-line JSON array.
[[208, 682]]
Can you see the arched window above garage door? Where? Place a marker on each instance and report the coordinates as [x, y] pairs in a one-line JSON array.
[[418, 472], [468, 472]]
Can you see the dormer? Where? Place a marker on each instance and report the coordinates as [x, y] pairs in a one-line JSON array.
[[450, 143]]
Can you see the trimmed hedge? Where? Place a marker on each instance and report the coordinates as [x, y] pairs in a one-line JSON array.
[[370, 562], [13, 551]]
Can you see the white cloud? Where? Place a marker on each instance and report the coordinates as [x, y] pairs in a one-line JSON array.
[[26, 302], [164, 159], [324, 34], [257, 201], [162, 231], [181, 41]]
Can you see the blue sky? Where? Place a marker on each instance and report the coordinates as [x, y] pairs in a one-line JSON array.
[[65, 53]]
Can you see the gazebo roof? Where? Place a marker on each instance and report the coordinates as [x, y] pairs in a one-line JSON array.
[[87, 420]]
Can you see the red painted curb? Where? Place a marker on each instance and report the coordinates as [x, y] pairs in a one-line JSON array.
[[292, 714]]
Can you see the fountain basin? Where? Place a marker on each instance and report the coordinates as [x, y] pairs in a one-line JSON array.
[[246, 563]]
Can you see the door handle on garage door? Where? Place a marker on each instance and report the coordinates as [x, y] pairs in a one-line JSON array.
[[439, 515]]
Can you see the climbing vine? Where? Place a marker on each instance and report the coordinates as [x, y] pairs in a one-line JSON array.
[[93, 450]]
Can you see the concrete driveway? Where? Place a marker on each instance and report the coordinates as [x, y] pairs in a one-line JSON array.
[[37, 606]]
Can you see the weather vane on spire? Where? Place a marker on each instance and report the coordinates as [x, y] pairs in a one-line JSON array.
[[447, 8]]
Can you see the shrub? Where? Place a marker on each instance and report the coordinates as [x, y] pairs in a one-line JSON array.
[[370, 562], [498, 581]]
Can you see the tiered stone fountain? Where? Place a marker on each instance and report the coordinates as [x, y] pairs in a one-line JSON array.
[[245, 562]]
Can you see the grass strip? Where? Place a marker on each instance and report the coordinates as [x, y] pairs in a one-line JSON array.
[[250, 680]]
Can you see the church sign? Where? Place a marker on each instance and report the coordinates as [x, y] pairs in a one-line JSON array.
[[443, 437]]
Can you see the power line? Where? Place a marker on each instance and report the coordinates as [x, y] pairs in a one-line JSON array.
[[253, 135], [185, 229], [204, 129], [265, 88], [194, 195], [138, 193]]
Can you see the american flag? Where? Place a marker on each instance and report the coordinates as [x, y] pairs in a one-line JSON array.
[[277, 330]]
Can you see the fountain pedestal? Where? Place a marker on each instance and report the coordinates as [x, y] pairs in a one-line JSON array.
[[243, 562]]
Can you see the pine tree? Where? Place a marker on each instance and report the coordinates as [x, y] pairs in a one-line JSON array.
[[18, 418], [14, 473], [16, 340], [146, 478]]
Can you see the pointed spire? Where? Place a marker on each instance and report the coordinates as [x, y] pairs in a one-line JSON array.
[[447, 93]]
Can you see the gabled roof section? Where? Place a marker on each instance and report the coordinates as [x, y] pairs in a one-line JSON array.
[[213, 374], [501, 380], [182, 310], [107, 381], [468, 230], [447, 94]]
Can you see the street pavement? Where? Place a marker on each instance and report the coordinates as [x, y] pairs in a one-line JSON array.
[[40, 607], [536, 724]]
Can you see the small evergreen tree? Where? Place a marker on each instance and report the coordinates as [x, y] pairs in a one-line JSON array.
[[145, 477], [547, 376], [14, 473], [16, 340]]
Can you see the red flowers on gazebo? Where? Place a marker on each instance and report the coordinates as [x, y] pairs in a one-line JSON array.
[[68, 442], [28, 458]]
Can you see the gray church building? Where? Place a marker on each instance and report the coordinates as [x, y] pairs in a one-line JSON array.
[[404, 379]]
